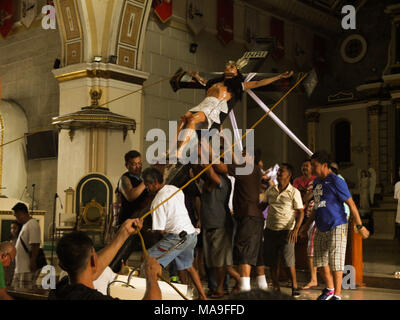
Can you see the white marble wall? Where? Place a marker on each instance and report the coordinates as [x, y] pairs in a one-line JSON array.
[[26, 61], [359, 136]]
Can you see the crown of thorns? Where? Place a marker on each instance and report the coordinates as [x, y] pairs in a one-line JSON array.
[[239, 64]]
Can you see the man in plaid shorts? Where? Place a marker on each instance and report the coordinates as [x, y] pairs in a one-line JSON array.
[[330, 192]]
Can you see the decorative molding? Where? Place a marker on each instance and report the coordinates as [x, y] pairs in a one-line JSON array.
[[364, 104], [132, 28], [100, 70], [341, 96], [70, 30], [370, 88], [73, 52], [31, 212], [127, 57], [392, 80], [131, 23]]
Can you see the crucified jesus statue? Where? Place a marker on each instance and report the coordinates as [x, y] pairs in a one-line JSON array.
[[222, 95]]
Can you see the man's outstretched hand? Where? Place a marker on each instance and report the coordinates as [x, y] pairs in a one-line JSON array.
[[152, 270]]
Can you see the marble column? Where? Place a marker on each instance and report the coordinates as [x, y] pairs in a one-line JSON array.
[[101, 50]]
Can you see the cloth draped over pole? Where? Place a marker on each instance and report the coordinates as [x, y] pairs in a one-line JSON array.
[[272, 116]]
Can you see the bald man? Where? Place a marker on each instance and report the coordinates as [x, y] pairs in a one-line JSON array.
[[7, 254]]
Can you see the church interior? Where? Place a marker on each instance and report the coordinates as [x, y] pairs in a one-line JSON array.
[[82, 82]]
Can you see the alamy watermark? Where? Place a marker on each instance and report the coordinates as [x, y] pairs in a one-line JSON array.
[[155, 153], [49, 19], [349, 20]]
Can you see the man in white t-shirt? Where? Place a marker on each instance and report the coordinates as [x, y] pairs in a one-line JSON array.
[[170, 219], [285, 215], [28, 244]]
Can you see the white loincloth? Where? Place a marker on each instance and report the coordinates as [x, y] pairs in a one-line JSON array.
[[211, 107]]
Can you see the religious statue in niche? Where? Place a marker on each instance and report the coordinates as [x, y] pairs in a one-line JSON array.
[[95, 97], [367, 185]]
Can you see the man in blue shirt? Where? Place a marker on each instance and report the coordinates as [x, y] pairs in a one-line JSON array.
[[330, 192]]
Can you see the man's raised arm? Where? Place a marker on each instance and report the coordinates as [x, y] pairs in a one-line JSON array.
[[130, 193], [264, 82]]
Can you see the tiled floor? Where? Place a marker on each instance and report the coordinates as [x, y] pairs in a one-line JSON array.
[[357, 294], [381, 257]]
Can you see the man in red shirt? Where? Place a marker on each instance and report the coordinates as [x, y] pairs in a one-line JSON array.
[[302, 182], [304, 185]]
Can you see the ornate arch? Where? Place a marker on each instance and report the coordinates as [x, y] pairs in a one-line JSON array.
[[114, 30]]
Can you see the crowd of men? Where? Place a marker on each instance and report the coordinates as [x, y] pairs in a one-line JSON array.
[[236, 222]]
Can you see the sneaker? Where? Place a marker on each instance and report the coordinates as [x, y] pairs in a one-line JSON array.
[[326, 294], [336, 298], [295, 293]]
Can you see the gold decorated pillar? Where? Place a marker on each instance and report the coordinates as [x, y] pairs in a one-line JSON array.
[[102, 44], [312, 126]]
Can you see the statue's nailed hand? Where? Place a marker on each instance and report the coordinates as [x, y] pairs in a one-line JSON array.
[[286, 74]]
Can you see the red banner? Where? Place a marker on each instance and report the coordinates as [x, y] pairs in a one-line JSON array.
[[278, 32], [6, 17], [163, 9], [225, 21]]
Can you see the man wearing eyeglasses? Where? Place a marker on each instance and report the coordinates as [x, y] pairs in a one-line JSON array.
[[132, 197], [131, 188], [7, 254]]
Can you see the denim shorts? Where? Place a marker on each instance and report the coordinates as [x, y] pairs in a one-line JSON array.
[[183, 255]]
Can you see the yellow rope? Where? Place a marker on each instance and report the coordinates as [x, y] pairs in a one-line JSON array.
[[143, 245], [172, 285]]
